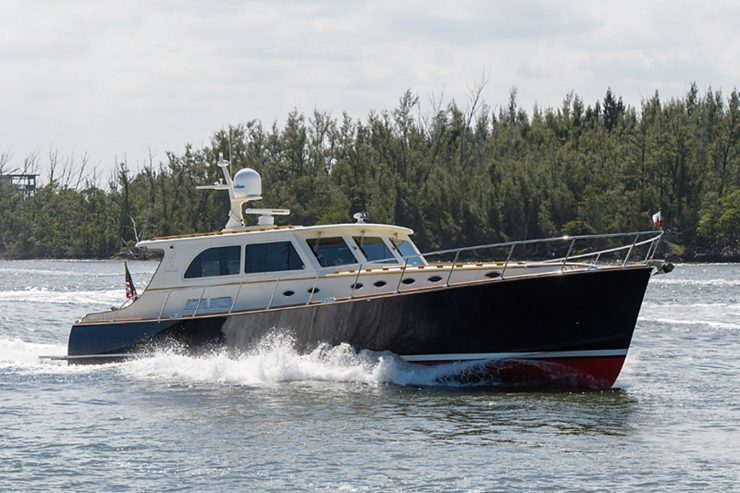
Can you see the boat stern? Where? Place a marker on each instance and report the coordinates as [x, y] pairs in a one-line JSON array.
[[87, 339]]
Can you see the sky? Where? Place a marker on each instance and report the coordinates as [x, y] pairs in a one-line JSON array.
[[126, 79]]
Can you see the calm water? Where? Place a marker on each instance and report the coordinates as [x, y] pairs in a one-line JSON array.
[[338, 421]]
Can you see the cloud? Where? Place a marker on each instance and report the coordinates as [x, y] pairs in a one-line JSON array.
[[110, 78]]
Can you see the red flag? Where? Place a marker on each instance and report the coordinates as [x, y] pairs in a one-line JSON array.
[[657, 220], [130, 288]]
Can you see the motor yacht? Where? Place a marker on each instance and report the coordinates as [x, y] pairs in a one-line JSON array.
[[560, 320]]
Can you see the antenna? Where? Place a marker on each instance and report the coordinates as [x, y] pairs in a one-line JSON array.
[[265, 215], [231, 153], [246, 186]]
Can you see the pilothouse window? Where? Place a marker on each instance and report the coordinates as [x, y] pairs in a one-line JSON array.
[[332, 251], [406, 249], [374, 249], [271, 257], [219, 261]]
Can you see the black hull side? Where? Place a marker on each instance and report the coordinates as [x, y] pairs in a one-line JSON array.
[[586, 311]]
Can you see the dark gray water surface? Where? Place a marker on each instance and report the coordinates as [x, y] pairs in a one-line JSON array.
[[334, 420]]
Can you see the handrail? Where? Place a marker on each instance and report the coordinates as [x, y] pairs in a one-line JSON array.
[[457, 255], [541, 240], [629, 252], [403, 273], [164, 305], [657, 235], [313, 288], [236, 297], [565, 259], [195, 312], [354, 284], [506, 264], [274, 290], [607, 250]]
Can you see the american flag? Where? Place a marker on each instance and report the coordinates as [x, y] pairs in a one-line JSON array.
[[130, 288]]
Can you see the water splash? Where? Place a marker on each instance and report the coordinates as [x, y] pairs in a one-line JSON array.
[[275, 360], [23, 358], [708, 323], [694, 282], [17, 351], [44, 295], [24, 271], [21, 355], [720, 316]]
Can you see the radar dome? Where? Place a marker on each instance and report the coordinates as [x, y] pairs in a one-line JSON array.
[[247, 184]]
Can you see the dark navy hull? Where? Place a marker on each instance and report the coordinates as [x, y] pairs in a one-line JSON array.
[[581, 324]]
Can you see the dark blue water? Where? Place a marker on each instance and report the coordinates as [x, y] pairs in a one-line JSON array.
[[334, 420]]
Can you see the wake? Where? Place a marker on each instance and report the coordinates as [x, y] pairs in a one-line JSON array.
[[274, 361]]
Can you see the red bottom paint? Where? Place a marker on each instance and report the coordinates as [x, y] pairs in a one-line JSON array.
[[544, 373]]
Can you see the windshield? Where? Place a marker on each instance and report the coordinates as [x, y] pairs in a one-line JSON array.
[[332, 251], [374, 249], [407, 249]]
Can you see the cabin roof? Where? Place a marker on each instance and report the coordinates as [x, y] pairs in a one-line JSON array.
[[215, 236]]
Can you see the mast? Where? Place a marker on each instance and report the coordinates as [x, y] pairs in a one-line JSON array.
[[245, 187]]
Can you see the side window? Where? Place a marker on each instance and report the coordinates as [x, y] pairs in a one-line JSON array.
[[331, 251], [219, 261], [374, 249], [271, 257], [406, 249]]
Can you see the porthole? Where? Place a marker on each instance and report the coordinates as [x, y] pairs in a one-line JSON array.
[[493, 274], [409, 280], [357, 285], [435, 279], [379, 284], [288, 293], [313, 290]]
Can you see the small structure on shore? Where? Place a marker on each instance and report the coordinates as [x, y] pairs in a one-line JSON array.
[[25, 183]]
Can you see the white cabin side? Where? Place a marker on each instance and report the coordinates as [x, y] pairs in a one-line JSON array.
[[176, 270]]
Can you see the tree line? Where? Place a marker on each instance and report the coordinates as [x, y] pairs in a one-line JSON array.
[[456, 174]]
